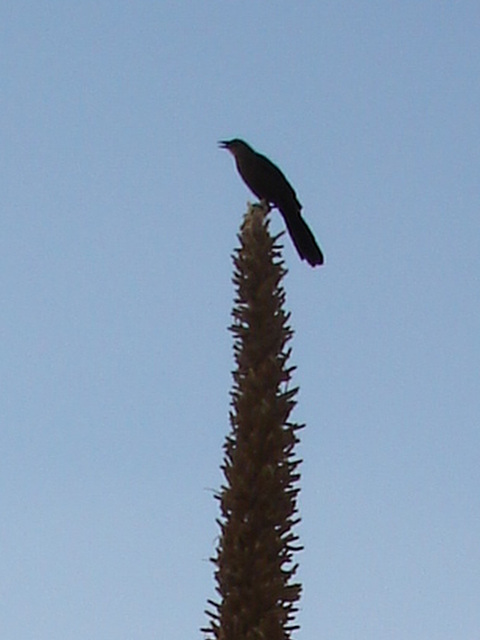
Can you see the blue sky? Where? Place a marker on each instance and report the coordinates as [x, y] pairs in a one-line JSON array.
[[119, 215]]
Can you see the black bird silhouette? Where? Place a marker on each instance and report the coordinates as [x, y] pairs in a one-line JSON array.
[[269, 184]]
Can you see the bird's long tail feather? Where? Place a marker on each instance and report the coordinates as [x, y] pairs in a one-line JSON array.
[[302, 238]]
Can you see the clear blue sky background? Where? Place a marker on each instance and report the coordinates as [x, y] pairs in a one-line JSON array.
[[118, 218]]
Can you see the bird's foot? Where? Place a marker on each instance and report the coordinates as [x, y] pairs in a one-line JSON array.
[[263, 205]]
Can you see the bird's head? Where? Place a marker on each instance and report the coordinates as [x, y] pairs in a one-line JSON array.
[[235, 146]]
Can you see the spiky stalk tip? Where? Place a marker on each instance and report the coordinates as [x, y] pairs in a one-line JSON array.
[[254, 557]]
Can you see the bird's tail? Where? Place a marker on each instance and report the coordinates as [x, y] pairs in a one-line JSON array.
[[302, 238]]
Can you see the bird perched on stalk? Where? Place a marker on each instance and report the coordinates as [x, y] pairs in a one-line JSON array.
[[269, 184]]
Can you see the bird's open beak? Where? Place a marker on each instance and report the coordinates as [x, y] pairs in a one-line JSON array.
[[223, 144]]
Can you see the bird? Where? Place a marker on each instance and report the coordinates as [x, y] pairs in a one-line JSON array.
[[269, 184]]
